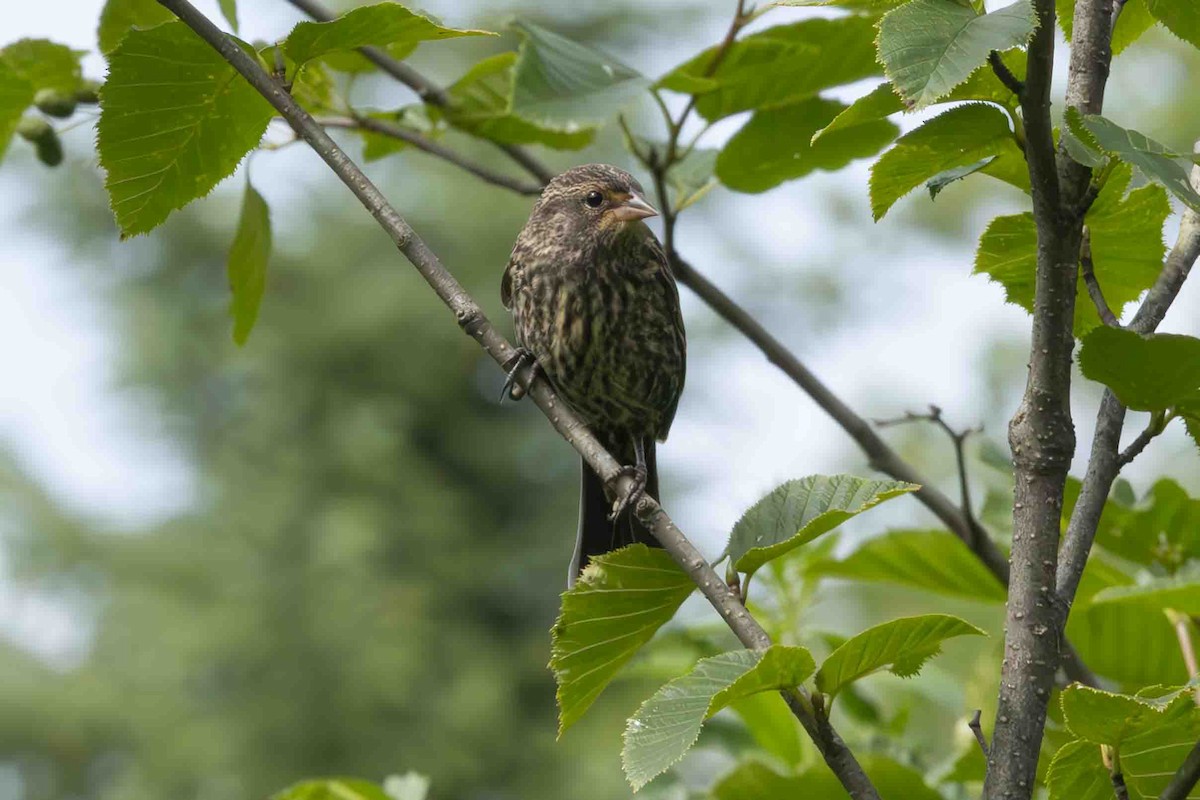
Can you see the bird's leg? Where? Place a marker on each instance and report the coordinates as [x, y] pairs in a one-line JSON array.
[[638, 473], [511, 389]]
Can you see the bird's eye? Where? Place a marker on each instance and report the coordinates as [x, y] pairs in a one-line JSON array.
[[594, 199]]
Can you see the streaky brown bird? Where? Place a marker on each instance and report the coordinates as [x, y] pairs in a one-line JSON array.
[[595, 305]]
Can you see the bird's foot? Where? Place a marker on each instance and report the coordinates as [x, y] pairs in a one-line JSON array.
[[630, 499], [523, 358]]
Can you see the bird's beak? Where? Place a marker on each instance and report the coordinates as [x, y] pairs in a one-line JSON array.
[[634, 207]]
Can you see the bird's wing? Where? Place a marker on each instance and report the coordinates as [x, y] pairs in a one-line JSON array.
[[506, 285], [667, 280]]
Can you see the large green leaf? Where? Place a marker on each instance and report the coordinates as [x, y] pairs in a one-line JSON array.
[[1181, 17], [776, 145], [175, 120], [927, 47], [378, 25], [1103, 717], [772, 725], [936, 561], [957, 138], [902, 646], [1106, 634], [752, 780], [1152, 753], [16, 95], [1147, 373], [779, 65], [617, 604], [1135, 19], [1179, 593], [247, 267], [668, 724], [45, 64], [119, 16], [566, 82], [1078, 773], [1152, 159], [1127, 249], [483, 107], [879, 103], [332, 789], [801, 510]]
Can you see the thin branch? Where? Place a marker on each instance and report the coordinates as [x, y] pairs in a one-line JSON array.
[[1088, 270], [1185, 777], [1183, 632], [1119, 788], [473, 321], [1105, 464], [977, 729], [1158, 423], [1012, 82], [424, 143]]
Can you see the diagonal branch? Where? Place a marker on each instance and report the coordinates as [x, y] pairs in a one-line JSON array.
[[1185, 777], [473, 321]]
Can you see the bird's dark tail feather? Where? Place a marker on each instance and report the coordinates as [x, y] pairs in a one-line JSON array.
[[597, 535]]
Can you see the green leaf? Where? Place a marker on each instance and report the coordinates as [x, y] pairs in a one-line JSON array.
[[902, 646], [44, 64], [175, 120], [772, 725], [119, 16], [1161, 531], [775, 146], [1180, 17], [1127, 249], [409, 786], [752, 780], [961, 136], [376, 25], [1176, 592], [880, 102], [482, 107], [332, 789], [801, 510], [1102, 717], [936, 561], [944, 179], [1152, 159], [617, 604], [1078, 773], [984, 85], [778, 66], [1135, 19], [1147, 373], [927, 47], [668, 724], [1106, 634], [229, 12], [1150, 755], [247, 267], [16, 95], [565, 82]]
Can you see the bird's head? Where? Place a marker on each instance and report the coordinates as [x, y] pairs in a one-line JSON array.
[[594, 201]]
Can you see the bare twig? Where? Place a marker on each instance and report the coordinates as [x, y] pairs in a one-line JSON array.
[[1185, 777], [977, 729], [424, 143], [473, 321], [1087, 269], [1012, 82], [1157, 424]]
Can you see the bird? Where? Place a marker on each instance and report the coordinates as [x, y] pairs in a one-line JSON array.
[[596, 312]]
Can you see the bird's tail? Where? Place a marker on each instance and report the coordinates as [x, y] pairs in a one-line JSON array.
[[597, 535]]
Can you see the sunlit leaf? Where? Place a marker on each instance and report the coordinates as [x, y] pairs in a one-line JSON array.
[[880, 102], [801, 510], [1180, 17], [1078, 773], [668, 724], [376, 25], [775, 146], [175, 120], [617, 604], [332, 789], [902, 646], [119, 16], [961, 136], [44, 64], [928, 47], [16, 95], [247, 267]]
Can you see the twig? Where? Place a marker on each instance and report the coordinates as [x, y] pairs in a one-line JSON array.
[[1012, 82], [977, 729], [473, 321], [1088, 269], [1158, 423], [424, 143], [1185, 777], [1119, 787], [1183, 631]]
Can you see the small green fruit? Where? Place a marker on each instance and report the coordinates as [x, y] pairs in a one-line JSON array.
[[54, 103]]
